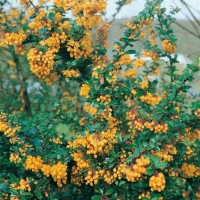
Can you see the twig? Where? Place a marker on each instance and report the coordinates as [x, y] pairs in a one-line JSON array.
[[190, 6], [121, 4], [194, 17], [183, 27], [25, 93]]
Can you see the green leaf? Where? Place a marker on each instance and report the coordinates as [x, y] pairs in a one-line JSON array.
[[161, 165], [58, 57], [110, 160], [139, 93], [43, 30], [109, 191], [150, 171], [51, 16], [129, 159], [137, 152], [119, 137], [13, 178], [154, 83], [25, 28], [14, 192], [144, 144], [130, 52], [99, 71], [2, 187], [96, 197], [121, 183], [133, 145], [126, 137], [112, 152], [184, 117], [57, 30], [124, 39], [41, 183], [178, 182], [26, 193], [113, 102], [111, 165], [111, 67], [154, 160], [38, 194], [140, 78], [32, 16]]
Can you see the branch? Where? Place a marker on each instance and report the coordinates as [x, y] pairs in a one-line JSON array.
[[25, 93], [121, 4], [196, 20], [190, 6], [183, 27]]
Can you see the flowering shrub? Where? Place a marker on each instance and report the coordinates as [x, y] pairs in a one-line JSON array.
[[132, 140]]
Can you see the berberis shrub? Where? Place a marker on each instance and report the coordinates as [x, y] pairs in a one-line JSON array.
[[131, 138]]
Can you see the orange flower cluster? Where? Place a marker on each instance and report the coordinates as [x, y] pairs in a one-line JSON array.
[[95, 143], [24, 2], [157, 182], [141, 124], [152, 40], [15, 158], [131, 115], [76, 177], [191, 135], [96, 70], [55, 40], [166, 154], [153, 55], [124, 59], [15, 39], [81, 162], [90, 10], [104, 99], [59, 173], [151, 99], [51, 78], [92, 177], [144, 84], [81, 48], [40, 22], [90, 109], [197, 113], [41, 63], [168, 46], [145, 195], [135, 171], [190, 170], [33, 163], [84, 90], [135, 28], [155, 127], [138, 62], [101, 34], [7, 128], [23, 185], [70, 73], [130, 73]]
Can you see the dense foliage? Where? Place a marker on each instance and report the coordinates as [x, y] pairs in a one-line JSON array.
[[132, 138]]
